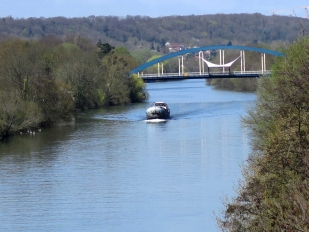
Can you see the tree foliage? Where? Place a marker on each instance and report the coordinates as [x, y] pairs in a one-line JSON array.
[[46, 81], [135, 32], [105, 48], [274, 195], [138, 34]]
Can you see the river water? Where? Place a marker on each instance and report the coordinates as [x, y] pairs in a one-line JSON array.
[[113, 171]]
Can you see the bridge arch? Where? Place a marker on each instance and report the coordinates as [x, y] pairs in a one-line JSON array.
[[205, 48]]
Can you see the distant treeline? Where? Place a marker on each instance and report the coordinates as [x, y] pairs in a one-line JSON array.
[[46, 81], [135, 32], [146, 37]]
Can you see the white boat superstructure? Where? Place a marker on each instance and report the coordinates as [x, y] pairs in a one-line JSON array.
[[158, 110]]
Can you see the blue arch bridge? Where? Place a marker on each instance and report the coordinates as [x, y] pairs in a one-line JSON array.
[[225, 68]]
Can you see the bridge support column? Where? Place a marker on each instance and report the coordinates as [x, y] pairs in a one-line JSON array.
[[242, 61], [201, 62], [263, 61], [222, 59], [159, 70], [180, 65], [244, 68], [223, 62], [162, 68]]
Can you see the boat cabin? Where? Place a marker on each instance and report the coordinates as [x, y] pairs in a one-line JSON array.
[[162, 104]]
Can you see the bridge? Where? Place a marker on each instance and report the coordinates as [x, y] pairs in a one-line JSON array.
[[225, 68]]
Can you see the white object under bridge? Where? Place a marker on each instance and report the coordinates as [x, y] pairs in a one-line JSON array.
[[227, 65]]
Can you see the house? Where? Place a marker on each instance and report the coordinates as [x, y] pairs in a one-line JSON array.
[[174, 47]]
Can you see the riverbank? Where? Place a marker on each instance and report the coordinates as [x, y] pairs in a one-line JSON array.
[[47, 81], [234, 84], [274, 193]]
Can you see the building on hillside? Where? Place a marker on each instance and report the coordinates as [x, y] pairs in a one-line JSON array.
[[175, 47]]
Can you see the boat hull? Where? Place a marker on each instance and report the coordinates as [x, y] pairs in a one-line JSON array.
[[156, 112]]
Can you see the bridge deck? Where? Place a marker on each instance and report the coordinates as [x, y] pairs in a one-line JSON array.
[[197, 75]]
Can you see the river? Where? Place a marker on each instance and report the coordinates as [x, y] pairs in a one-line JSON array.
[[110, 170]]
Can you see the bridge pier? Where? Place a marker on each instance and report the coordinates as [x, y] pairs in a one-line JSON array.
[[201, 63], [242, 61], [222, 59], [263, 61], [159, 69], [181, 65]]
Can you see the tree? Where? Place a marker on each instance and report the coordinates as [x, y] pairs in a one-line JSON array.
[[142, 55], [138, 91], [117, 86], [105, 48], [80, 73], [16, 114], [274, 195], [121, 50]]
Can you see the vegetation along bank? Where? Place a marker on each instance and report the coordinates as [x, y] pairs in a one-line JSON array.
[[274, 194], [48, 80]]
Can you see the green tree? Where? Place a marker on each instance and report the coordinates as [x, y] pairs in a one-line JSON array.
[[48, 80], [16, 66], [274, 195], [138, 91], [116, 84], [105, 48], [80, 74], [143, 55], [17, 114], [121, 50], [154, 68]]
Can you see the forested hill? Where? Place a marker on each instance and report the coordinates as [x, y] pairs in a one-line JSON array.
[[141, 31]]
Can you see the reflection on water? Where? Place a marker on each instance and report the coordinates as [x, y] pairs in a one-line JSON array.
[[112, 170]]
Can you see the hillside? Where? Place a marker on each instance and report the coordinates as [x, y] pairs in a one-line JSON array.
[[136, 32]]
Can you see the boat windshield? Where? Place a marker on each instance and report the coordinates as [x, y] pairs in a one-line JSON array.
[[160, 104]]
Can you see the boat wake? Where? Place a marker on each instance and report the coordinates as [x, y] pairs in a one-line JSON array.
[[156, 120]]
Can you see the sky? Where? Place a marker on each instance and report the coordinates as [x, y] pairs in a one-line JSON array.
[[151, 8]]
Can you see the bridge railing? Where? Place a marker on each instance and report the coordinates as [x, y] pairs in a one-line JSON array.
[[206, 74]]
